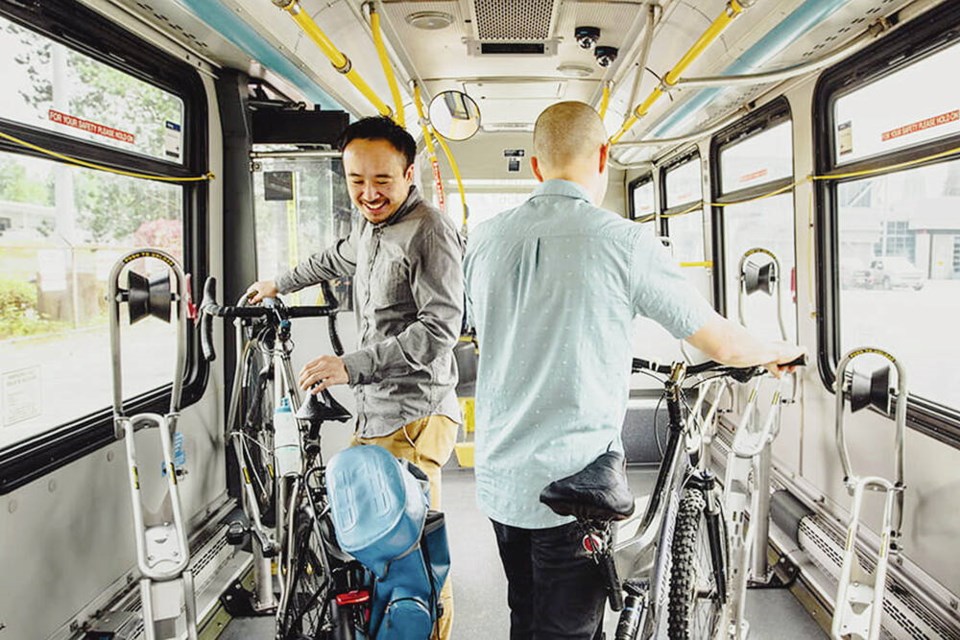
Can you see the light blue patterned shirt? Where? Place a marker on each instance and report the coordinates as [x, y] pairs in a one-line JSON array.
[[553, 286]]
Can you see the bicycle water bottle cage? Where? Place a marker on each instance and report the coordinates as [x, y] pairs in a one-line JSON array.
[[598, 492]]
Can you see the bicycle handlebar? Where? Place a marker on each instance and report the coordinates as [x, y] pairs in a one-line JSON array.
[[740, 374], [274, 309]]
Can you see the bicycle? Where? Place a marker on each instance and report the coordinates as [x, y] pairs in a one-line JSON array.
[[674, 568], [322, 592]]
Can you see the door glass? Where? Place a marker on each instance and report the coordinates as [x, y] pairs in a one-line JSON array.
[[302, 207]]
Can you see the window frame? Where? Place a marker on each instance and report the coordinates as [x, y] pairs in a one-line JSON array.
[[775, 112], [635, 184], [672, 163], [84, 30], [926, 35]]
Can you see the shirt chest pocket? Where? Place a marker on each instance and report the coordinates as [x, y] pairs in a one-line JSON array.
[[390, 284]]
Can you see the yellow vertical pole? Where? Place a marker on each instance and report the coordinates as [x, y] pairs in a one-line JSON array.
[[398, 114]]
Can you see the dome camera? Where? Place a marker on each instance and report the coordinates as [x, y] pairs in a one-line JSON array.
[[586, 36], [605, 55]]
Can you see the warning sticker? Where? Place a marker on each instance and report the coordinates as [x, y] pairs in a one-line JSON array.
[[90, 126], [845, 137], [20, 395], [920, 125], [754, 175], [171, 140]]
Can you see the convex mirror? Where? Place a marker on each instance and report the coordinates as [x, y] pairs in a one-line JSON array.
[[454, 115]]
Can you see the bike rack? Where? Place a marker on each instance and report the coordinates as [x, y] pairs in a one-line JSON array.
[[859, 605], [750, 458], [163, 555]]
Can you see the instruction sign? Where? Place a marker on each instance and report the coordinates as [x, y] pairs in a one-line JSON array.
[[920, 125], [171, 140], [20, 395], [90, 126]]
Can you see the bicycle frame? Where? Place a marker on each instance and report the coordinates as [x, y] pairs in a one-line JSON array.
[[278, 346], [642, 559], [293, 494]]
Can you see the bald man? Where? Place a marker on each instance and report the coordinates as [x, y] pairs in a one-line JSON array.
[[553, 287]]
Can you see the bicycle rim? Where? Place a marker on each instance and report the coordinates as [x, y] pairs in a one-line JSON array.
[[695, 607]]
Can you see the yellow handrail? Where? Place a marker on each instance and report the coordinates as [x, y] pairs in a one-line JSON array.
[[99, 167], [733, 9], [340, 61], [456, 174], [604, 100], [398, 114], [428, 133], [428, 141]]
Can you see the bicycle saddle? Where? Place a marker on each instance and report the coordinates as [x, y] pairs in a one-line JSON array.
[[597, 492], [322, 407]]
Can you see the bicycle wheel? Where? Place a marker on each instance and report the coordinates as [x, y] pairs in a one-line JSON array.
[[255, 431], [308, 612], [695, 603]]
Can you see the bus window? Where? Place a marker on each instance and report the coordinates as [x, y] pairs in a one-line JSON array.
[[929, 111], [683, 211], [55, 88], [643, 201], [889, 224], [898, 275], [64, 226], [756, 159]]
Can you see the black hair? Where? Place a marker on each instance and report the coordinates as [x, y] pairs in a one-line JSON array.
[[380, 128]]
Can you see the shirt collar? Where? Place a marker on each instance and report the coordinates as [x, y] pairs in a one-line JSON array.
[[413, 199], [561, 188]]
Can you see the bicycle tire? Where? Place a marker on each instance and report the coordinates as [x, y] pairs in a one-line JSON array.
[[309, 613], [256, 432], [695, 606]]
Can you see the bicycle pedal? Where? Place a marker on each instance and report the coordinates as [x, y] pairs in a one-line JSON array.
[[236, 533]]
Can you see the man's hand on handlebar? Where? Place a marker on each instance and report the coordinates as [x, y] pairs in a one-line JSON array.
[[262, 289], [787, 357], [324, 372]]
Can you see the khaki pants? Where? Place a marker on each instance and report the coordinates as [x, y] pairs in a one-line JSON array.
[[427, 443]]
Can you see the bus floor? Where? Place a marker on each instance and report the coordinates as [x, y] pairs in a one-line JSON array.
[[479, 586]]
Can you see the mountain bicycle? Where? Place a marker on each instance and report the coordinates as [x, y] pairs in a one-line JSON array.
[[322, 593], [668, 579]]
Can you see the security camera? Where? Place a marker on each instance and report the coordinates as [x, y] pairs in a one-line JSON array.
[[605, 55], [586, 36]]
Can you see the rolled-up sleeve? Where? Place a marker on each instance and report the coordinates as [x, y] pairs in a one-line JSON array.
[[436, 283]]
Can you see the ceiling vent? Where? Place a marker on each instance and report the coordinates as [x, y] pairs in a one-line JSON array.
[[500, 20]]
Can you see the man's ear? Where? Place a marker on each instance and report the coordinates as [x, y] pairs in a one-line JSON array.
[[408, 174], [604, 156], [535, 167]]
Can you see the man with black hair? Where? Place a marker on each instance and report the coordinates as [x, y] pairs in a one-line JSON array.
[[405, 257]]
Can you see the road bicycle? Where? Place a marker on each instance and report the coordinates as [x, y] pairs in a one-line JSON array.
[[320, 592], [669, 578]]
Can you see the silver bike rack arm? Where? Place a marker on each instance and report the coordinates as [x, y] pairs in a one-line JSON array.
[[163, 554], [859, 604]]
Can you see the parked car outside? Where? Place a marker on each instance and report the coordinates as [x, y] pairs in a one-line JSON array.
[[895, 271], [854, 274]]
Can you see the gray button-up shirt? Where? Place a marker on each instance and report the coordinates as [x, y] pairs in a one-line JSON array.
[[409, 289]]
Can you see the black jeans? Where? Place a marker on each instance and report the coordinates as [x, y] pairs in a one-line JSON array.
[[554, 589]]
